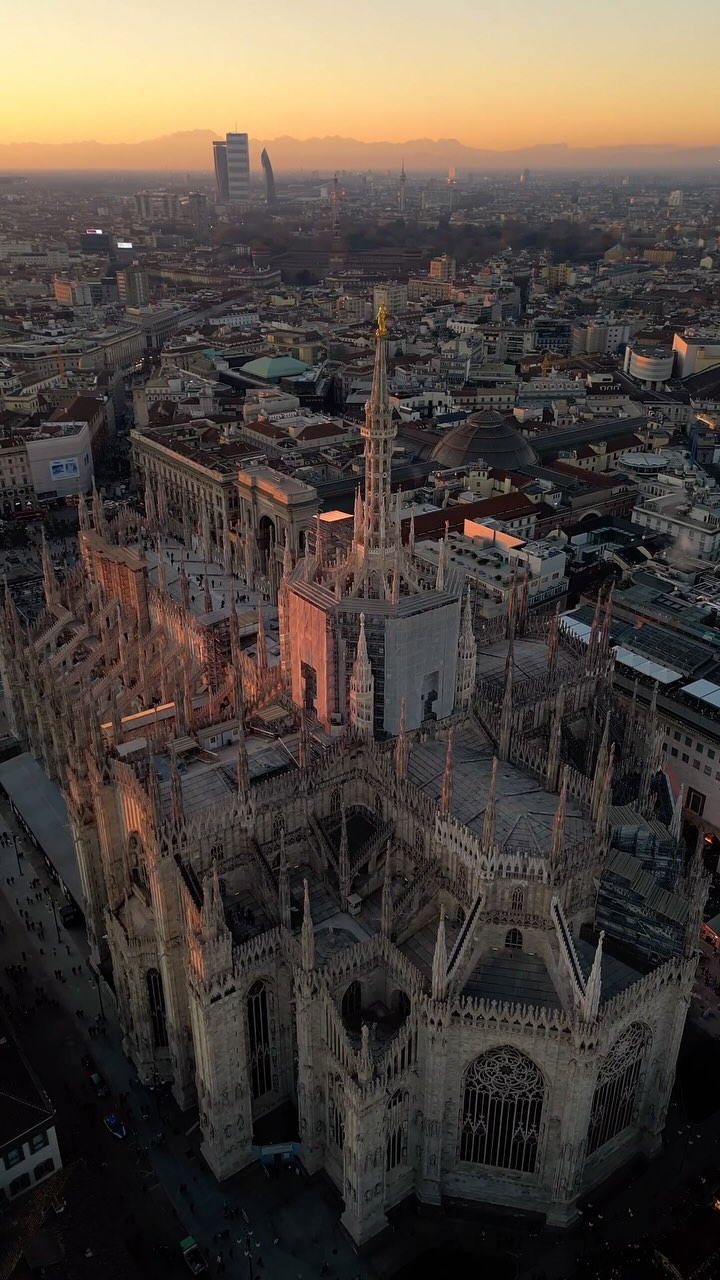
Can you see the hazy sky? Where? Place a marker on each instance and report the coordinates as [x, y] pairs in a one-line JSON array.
[[499, 75]]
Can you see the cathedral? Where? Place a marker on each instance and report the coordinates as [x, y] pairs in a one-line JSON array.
[[410, 896]]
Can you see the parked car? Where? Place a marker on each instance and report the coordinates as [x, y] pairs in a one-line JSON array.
[[114, 1125], [99, 1084], [194, 1259]]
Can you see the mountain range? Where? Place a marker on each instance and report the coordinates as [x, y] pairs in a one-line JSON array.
[[192, 151]]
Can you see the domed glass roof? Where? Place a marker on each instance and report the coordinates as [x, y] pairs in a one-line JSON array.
[[484, 437]]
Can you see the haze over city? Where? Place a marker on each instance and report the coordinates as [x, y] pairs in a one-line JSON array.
[[498, 79], [360, 641]]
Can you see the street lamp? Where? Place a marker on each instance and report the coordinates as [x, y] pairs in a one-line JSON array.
[[51, 900], [18, 853], [96, 976]]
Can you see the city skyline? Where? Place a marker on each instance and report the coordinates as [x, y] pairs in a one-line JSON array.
[[532, 84]]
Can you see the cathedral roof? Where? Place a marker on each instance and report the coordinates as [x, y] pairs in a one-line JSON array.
[[525, 810], [485, 436]]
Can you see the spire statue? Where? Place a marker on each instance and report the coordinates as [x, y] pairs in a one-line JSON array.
[[386, 902], [378, 431], [557, 841], [447, 781], [467, 658], [401, 745], [344, 876], [506, 712], [50, 582], [260, 646], [362, 687], [439, 964], [307, 939], [178, 811], [283, 884], [488, 832]]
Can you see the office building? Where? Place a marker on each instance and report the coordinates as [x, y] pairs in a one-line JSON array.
[[238, 168], [133, 286], [220, 164], [270, 196]]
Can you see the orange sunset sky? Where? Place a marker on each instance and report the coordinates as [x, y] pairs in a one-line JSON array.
[[492, 75]]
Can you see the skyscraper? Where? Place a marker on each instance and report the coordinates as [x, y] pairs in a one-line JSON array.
[[270, 196], [238, 167], [221, 172]]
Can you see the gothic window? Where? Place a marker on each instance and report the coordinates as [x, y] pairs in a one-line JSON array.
[[503, 1093], [513, 940], [403, 1004], [379, 806], [352, 1001], [156, 997], [258, 1023], [278, 826], [518, 899], [419, 842], [459, 914], [396, 1115], [336, 1123], [335, 803], [217, 850], [616, 1092]]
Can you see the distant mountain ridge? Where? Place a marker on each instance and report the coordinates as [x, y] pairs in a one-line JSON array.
[[192, 151]]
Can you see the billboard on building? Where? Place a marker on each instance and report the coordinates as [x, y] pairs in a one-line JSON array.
[[64, 467]]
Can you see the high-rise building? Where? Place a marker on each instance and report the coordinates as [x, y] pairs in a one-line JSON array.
[[196, 207], [157, 206], [221, 172], [133, 285], [238, 168], [270, 196], [443, 268]]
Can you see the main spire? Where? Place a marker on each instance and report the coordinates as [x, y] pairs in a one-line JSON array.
[[378, 431]]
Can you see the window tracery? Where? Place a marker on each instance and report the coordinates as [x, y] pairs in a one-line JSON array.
[[259, 1047], [518, 900], [396, 1122], [616, 1092], [514, 940], [156, 997], [503, 1095]]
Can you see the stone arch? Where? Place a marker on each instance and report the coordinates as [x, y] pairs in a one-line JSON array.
[[401, 1003], [278, 825], [352, 1000], [514, 940], [619, 1086], [517, 901], [503, 1094], [335, 803], [266, 537]]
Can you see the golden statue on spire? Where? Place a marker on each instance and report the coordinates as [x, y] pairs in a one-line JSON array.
[[381, 318]]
